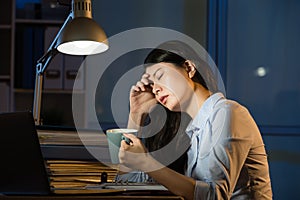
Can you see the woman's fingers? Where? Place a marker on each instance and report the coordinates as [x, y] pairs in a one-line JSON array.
[[145, 79], [132, 137], [124, 146], [142, 84], [145, 75], [132, 155], [135, 88], [133, 141]]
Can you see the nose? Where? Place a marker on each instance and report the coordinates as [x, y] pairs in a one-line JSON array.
[[156, 89]]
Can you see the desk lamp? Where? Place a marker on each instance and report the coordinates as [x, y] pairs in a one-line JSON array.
[[79, 35]]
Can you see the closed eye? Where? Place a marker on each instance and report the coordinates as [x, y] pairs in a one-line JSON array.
[[159, 74]]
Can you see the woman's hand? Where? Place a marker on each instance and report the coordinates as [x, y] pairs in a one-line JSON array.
[[141, 97], [133, 155]]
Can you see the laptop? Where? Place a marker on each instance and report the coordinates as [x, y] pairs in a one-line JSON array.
[[22, 168]]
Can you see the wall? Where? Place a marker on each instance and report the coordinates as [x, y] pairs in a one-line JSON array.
[[188, 17], [262, 72], [265, 34]]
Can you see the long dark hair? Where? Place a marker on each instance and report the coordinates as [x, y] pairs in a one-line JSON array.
[[172, 128]]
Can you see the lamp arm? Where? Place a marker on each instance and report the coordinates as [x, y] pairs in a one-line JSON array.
[[52, 51], [41, 66]]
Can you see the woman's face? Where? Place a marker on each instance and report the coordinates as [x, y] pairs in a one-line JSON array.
[[171, 85]]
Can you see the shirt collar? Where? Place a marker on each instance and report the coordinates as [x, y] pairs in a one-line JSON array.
[[203, 114]]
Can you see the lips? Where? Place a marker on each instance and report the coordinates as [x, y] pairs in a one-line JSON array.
[[163, 99]]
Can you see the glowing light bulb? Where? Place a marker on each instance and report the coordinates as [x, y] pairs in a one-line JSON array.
[[82, 44], [261, 72]]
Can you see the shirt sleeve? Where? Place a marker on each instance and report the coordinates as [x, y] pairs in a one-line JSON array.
[[222, 153], [134, 176]]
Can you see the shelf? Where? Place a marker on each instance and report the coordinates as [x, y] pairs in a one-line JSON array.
[[5, 26], [25, 39], [39, 22], [4, 78]]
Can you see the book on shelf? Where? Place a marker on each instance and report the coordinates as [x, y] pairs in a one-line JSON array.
[[28, 55], [4, 94], [53, 74], [72, 65], [30, 49]]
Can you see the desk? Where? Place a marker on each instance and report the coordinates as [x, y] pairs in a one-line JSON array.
[[72, 170], [90, 197], [70, 177]]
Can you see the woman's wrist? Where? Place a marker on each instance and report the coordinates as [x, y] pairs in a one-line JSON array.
[[136, 120], [149, 164]]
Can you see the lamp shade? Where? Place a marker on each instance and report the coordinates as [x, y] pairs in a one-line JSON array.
[[82, 36]]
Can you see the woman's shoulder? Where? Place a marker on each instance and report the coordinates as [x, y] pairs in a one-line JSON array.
[[228, 107]]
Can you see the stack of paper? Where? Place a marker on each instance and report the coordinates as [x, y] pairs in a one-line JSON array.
[[77, 174]]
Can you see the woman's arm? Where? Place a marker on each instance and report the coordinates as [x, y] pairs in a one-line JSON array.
[[136, 120], [175, 182], [136, 157], [141, 101]]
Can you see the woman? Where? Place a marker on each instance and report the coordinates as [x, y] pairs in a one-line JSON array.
[[226, 157]]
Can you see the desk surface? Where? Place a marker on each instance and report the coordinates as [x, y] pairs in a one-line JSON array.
[[94, 197]]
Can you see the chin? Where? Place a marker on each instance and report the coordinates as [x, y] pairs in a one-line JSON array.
[[174, 108]]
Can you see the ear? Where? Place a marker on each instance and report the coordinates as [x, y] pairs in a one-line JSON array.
[[190, 68]]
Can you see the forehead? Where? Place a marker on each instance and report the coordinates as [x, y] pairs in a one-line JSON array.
[[151, 69]]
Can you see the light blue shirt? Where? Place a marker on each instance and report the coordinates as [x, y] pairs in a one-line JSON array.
[[227, 157]]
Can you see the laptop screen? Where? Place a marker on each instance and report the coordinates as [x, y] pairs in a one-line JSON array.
[[22, 168]]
